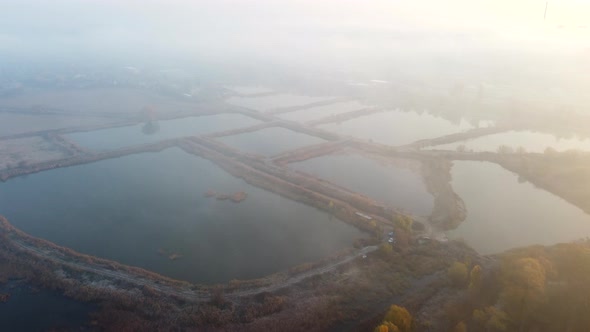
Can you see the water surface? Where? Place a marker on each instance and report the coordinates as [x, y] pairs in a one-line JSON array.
[[396, 183], [397, 127], [115, 101], [119, 137], [270, 141], [250, 90], [40, 310], [271, 102], [142, 208], [13, 123], [319, 112], [503, 213]]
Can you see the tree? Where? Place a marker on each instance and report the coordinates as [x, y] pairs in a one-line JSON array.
[[491, 319], [381, 328], [400, 317], [505, 149], [549, 151], [475, 278], [523, 289], [150, 128], [402, 239], [404, 222], [461, 148], [387, 327], [385, 249], [460, 327], [457, 273]]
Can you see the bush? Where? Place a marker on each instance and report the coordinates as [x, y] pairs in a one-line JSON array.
[[400, 317], [387, 327], [457, 273], [404, 222], [460, 327], [385, 250], [475, 278]]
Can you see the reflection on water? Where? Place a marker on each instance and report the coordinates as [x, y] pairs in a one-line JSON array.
[[515, 140], [268, 103], [315, 113], [397, 184], [147, 208], [14, 123], [250, 90], [503, 213], [113, 138], [270, 141], [397, 127], [150, 128]]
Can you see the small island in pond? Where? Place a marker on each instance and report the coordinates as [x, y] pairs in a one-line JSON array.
[[236, 197], [171, 255], [4, 298]]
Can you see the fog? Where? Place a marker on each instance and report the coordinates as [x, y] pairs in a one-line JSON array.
[[302, 31], [426, 42], [242, 164]]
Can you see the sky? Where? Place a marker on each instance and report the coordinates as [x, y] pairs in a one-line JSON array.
[[505, 43], [287, 29]]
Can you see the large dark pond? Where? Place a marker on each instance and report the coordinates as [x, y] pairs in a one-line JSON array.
[[142, 209], [40, 310]]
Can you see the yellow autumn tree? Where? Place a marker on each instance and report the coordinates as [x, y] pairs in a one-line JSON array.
[[475, 278], [387, 327], [400, 317], [524, 286], [457, 273], [460, 327], [385, 249], [404, 222], [491, 319]]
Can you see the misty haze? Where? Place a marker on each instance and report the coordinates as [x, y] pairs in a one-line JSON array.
[[294, 165]]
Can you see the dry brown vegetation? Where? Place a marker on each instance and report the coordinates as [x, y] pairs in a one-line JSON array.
[[346, 295]]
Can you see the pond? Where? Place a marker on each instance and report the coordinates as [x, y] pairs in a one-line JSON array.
[[319, 112], [395, 182], [113, 101], [270, 141], [40, 310], [271, 102], [13, 123], [397, 127], [119, 137], [503, 213], [515, 140], [148, 209], [250, 90]]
